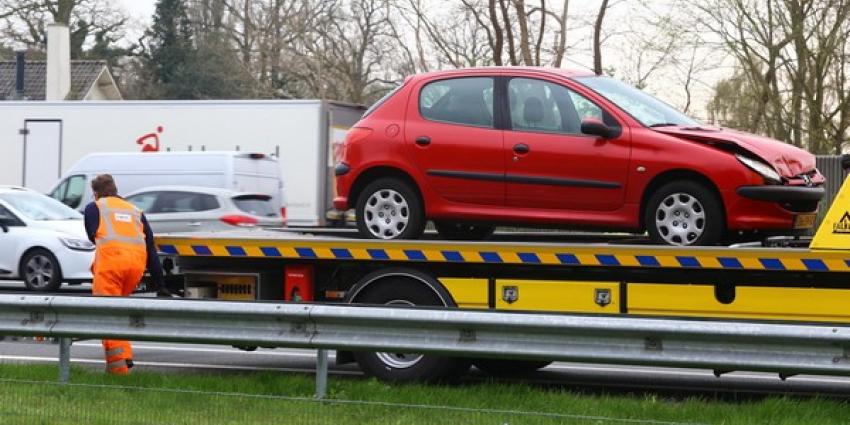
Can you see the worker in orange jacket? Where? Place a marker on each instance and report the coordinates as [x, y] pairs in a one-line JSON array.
[[125, 248]]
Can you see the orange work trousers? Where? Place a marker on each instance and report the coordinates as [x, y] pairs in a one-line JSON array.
[[117, 272]]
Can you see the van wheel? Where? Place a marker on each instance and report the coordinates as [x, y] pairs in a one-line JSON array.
[[40, 271], [684, 213], [502, 367], [389, 208], [458, 231], [399, 291]]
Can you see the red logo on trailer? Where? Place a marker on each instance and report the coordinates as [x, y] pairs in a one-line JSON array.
[[150, 141]]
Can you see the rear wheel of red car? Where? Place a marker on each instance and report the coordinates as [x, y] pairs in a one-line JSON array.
[[459, 231], [389, 208], [684, 213]]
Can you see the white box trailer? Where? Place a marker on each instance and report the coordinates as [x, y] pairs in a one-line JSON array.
[[41, 140]]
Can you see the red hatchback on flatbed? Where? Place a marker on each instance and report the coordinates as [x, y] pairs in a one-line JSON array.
[[475, 148]]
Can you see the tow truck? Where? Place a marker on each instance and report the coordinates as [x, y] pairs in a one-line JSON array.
[[786, 280]]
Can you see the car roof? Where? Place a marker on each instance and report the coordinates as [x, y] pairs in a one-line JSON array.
[[562, 72], [195, 189], [13, 189]]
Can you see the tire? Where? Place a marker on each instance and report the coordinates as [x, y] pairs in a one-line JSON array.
[[389, 208], [40, 271], [684, 213], [407, 367], [459, 231], [502, 367]]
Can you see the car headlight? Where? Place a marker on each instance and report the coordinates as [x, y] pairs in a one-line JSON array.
[[765, 170], [77, 244]]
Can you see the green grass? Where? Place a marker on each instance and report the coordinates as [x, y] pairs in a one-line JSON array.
[[29, 394]]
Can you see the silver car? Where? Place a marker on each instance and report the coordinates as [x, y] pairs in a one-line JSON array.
[[192, 209]]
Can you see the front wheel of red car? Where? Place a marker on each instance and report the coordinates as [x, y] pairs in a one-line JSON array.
[[389, 208], [684, 213]]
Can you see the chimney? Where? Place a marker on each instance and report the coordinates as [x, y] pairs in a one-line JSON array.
[[58, 82], [21, 65]]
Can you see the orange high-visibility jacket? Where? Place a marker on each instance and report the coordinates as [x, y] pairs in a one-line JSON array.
[[120, 227]]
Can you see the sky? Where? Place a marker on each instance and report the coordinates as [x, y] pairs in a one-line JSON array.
[[142, 11]]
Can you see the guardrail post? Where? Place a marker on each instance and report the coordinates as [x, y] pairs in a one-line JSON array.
[[321, 374], [64, 359]]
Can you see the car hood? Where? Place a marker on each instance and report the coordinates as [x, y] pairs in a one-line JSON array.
[[72, 228], [788, 160]]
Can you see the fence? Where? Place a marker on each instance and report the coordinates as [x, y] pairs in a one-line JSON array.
[[720, 345]]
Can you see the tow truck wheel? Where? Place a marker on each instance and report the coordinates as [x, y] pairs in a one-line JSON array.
[[459, 231], [406, 367], [389, 208], [684, 213], [503, 367]]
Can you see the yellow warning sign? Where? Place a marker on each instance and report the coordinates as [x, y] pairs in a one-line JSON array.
[[834, 231]]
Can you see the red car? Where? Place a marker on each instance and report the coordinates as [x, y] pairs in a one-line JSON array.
[[474, 148]]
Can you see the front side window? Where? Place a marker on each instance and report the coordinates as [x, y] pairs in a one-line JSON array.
[[465, 101], [542, 106], [70, 191], [9, 218]]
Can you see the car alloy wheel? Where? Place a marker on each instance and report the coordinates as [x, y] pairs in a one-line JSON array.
[[680, 219], [40, 271], [386, 214]]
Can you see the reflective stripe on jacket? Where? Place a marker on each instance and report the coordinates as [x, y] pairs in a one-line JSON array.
[[120, 225]]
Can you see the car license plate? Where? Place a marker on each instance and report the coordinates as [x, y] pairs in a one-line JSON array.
[[804, 221]]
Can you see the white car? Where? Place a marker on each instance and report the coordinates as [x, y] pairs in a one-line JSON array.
[[192, 209], [43, 242]]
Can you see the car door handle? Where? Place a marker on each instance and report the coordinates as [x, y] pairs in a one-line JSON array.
[[194, 224], [423, 140], [521, 148]]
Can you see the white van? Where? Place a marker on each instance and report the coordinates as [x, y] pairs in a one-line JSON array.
[[238, 171]]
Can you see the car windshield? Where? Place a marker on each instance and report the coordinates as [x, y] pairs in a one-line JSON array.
[[39, 207], [650, 111]]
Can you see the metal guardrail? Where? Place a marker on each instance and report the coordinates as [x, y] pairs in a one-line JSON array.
[[786, 349]]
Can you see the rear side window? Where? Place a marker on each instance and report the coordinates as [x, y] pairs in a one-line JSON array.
[[183, 202], [143, 201], [255, 205], [381, 101], [466, 101]]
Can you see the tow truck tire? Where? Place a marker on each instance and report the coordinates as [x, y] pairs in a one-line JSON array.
[[389, 208], [502, 367], [685, 213], [459, 231], [406, 367]]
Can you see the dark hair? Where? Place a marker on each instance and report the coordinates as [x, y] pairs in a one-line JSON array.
[[104, 185]]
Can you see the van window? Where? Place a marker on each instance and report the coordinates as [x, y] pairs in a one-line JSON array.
[[70, 191], [255, 205]]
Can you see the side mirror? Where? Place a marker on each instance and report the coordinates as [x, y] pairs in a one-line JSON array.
[[595, 127]]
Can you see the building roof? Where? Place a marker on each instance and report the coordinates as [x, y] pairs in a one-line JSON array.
[[84, 75]]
